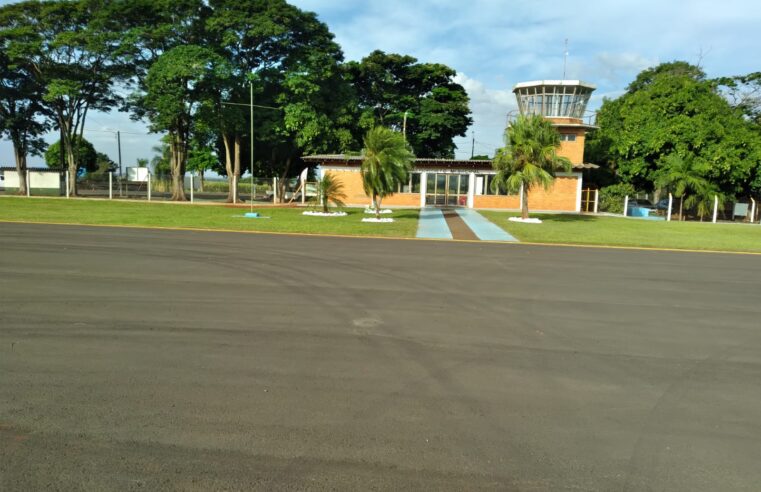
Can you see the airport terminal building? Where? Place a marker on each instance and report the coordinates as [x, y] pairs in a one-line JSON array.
[[467, 183]]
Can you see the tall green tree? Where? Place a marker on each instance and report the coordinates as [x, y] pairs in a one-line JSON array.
[[389, 85], [72, 50], [292, 61], [177, 84], [86, 158], [21, 109], [529, 159], [387, 162], [674, 109], [200, 160]]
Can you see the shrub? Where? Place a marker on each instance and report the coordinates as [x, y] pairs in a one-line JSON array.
[[612, 197]]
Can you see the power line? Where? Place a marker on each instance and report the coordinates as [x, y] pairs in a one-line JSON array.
[[118, 131]]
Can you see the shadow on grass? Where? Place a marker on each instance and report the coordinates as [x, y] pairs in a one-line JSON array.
[[566, 218]]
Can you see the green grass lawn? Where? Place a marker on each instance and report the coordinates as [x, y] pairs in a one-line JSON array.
[[185, 215], [618, 231]]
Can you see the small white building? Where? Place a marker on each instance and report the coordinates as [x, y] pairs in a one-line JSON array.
[[41, 181]]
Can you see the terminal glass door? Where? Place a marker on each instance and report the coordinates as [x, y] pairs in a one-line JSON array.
[[446, 190]]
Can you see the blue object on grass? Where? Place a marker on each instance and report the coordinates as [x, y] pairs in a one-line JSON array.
[[251, 215], [639, 212]]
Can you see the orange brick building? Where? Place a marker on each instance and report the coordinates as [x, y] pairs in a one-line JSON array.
[[467, 183]]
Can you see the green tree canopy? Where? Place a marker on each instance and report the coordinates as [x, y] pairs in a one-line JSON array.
[[530, 157], [388, 85], [673, 109], [293, 62], [177, 85], [72, 49], [86, 157], [21, 110]]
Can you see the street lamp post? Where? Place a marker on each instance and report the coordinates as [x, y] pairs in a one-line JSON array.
[[251, 142], [251, 107]]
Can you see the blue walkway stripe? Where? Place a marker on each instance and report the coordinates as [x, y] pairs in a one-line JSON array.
[[432, 224], [482, 227]]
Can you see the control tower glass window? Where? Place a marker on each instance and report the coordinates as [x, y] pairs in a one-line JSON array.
[[559, 99]]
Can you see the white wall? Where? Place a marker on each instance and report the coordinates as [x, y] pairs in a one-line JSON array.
[[37, 179]]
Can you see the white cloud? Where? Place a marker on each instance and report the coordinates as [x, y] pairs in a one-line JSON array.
[[490, 108]]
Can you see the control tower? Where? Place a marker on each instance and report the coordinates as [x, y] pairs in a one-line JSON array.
[[564, 103]]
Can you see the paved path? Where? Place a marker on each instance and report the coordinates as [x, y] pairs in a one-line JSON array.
[[459, 223], [459, 228], [153, 360], [432, 224], [482, 227]]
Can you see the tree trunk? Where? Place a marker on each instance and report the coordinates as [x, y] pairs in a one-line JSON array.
[[20, 156], [681, 202], [377, 201], [72, 176], [236, 167], [178, 168], [71, 161], [232, 166], [524, 202], [228, 167], [283, 181], [200, 181]]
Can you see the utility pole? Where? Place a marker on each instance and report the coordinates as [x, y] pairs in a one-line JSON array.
[[251, 107], [473, 145], [251, 117], [119, 146]]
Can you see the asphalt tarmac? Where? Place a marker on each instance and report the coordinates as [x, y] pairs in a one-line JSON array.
[[146, 359]]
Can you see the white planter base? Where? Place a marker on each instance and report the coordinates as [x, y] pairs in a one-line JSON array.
[[324, 214], [373, 219], [525, 221], [383, 211]]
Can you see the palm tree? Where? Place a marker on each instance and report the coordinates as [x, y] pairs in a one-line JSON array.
[[330, 189], [703, 200], [684, 176], [529, 158], [387, 162]]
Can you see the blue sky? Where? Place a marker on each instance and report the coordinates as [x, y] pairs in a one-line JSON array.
[[494, 44]]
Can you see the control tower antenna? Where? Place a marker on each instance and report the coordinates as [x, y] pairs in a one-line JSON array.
[[565, 57]]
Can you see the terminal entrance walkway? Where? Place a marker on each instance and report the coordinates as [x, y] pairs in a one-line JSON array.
[[459, 223]]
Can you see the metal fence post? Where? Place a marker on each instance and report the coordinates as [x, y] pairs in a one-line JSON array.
[[597, 200], [149, 187], [671, 202], [191, 187], [110, 186], [753, 210], [626, 205], [715, 207]]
